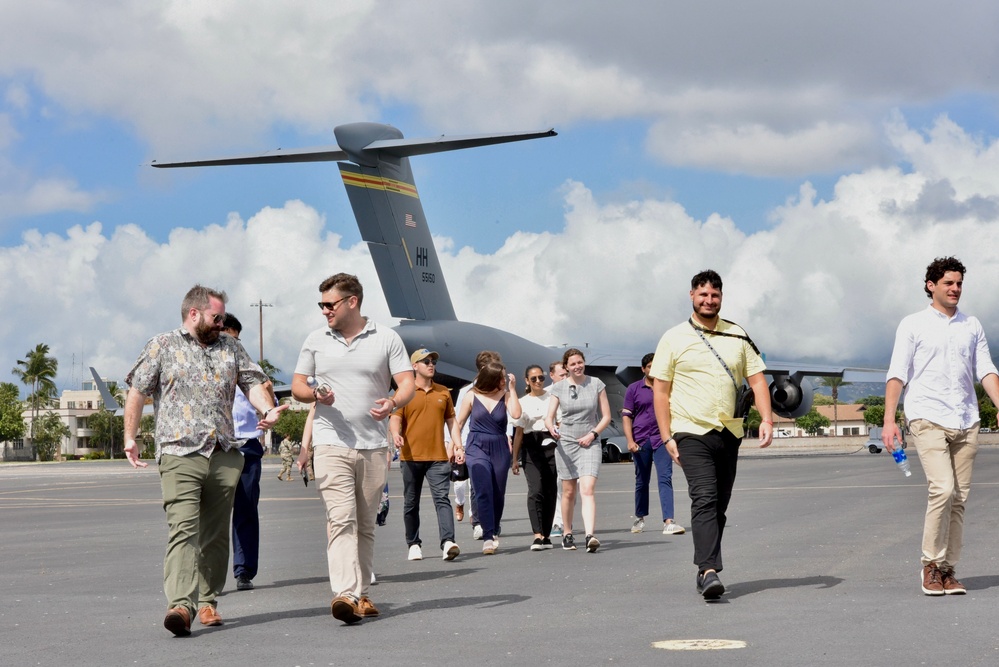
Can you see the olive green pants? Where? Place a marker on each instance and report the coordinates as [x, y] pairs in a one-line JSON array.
[[197, 497]]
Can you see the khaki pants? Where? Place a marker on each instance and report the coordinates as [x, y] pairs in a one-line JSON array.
[[947, 456], [197, 497], [350, 483]]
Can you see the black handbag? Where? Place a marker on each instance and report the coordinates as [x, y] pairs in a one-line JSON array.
[[459, 472]]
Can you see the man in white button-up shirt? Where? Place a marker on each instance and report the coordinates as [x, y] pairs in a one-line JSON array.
[[937, 356]]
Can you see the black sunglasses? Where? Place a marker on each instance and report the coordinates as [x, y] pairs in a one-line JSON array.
[[429, 361], [573, 392], [332, 306], [537, 378]]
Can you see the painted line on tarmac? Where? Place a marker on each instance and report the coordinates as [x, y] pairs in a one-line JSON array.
[[698, 644]]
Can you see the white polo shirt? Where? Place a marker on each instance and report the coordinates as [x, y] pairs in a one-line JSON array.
[[938, 358], [359, 373]]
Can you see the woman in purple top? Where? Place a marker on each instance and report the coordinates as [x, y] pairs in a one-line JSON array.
[[487, 450]]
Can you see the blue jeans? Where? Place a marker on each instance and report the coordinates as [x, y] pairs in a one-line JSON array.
[[644, 458], [438, 476]]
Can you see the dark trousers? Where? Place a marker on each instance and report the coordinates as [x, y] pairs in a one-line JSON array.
[[488, 467], [245, 519], [542, 483], [644, 458], [709, 464], [438, 476]]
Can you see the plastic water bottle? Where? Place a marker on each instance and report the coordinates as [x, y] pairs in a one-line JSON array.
[[901, 460], [320, 389]]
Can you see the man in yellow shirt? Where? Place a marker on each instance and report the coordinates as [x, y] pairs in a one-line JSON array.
[[696, 371]]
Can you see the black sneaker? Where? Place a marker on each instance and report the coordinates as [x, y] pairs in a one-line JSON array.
[[710, 586], [243, 584], [537, 544], [568, 543], [592, 544], [546, 543]]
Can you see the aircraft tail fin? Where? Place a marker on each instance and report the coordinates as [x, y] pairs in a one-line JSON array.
[[110, 403], [387, 205]]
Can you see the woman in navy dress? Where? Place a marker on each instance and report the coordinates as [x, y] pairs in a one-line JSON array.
[[491, 401]]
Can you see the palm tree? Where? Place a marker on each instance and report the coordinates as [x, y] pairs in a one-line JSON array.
[[834, 383], [37, 371]]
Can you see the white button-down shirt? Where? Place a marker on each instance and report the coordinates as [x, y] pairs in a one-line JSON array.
[[938, 359]]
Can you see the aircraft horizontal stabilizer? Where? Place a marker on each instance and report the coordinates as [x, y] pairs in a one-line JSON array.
[[277, 156], [411, 147]]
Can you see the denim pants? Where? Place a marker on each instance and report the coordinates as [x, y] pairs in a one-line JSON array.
[[643, 459], [438, 476], [709, 463]]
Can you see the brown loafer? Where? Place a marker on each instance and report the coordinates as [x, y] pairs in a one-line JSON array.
[[459, 512], [208, 615], [366, 608], [345, 609], [178, 621]]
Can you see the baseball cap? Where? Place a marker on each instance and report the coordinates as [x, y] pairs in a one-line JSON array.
[[422, 354]]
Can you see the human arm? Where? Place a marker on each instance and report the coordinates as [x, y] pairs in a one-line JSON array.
[[303, 393], [395, 430], [132, 417], [405, 383], [550, 417], [464, 410], [306, 450], [261, 397], [660, 403], [513, 409], [761, 397], [890, 432], [518, 440], [991, 385]]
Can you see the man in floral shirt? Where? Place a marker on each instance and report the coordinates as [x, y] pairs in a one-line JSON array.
[[192, 373]]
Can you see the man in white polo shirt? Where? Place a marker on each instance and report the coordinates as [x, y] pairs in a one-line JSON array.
[[938, 353], [354, 362]]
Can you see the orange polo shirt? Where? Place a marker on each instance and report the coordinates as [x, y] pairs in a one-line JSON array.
[[423, 420]]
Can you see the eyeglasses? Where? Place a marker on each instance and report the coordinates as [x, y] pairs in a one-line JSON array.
[[217, 319], [537, 378], [429, 361], [326, 305], [573, 392]]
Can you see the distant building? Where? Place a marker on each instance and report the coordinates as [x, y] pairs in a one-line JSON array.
[[75, 408], [850, 422]]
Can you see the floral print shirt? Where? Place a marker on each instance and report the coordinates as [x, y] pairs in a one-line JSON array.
[[193, 388]]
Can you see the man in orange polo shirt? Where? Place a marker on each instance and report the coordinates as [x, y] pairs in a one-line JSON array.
[[418, 432]]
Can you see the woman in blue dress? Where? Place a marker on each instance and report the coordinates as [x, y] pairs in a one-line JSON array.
[[491, 401]]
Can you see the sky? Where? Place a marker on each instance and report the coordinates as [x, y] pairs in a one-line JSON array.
[[817, 155]]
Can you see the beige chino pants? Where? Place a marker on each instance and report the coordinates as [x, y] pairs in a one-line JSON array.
[[947, 456]]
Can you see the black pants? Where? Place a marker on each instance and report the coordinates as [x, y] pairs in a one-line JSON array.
[[542, 482], [709, 464]]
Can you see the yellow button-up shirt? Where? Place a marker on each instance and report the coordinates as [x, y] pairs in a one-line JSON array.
[[702, 395]]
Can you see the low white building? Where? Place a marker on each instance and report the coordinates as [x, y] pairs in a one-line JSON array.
[[75, 408]]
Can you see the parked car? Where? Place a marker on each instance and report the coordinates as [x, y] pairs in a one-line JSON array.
[[874, 444]]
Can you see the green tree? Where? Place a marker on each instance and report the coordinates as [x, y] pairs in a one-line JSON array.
[[107, 431], [291, 424], [821, 399], [753, 421], [38, 372], [11, 422], [270, 370], [49, 433], [146, 438], [812, 423], [872, 400], [986, 411], [834, 383], [875, 415]]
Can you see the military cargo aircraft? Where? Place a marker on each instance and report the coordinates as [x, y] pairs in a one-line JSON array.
[[375, 169]]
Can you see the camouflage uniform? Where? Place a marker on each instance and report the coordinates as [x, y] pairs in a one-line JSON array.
[[287, 459]]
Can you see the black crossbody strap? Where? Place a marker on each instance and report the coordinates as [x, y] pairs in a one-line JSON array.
[[702, 331], [717, 356]]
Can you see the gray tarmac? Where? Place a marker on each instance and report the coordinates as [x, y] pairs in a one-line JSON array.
[[821, 566]]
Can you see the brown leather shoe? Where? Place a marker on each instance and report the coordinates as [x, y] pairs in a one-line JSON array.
[[459, 512], [951, 586], [345, 609], [178, 621], [367, 608], [208, 615], [932, 580]]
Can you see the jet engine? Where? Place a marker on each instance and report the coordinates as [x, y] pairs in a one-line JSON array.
[[791, 395]]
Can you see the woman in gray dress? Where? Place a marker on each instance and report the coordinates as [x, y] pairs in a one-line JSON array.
[[585, 413]]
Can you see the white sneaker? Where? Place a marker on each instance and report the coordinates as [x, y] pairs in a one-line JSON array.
[[673, 528], [451, 550], [477, 532], [639, 524], [373, 580], [415, 552], [489, 547]]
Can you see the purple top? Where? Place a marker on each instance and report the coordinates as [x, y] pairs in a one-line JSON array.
[[638, 406]]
